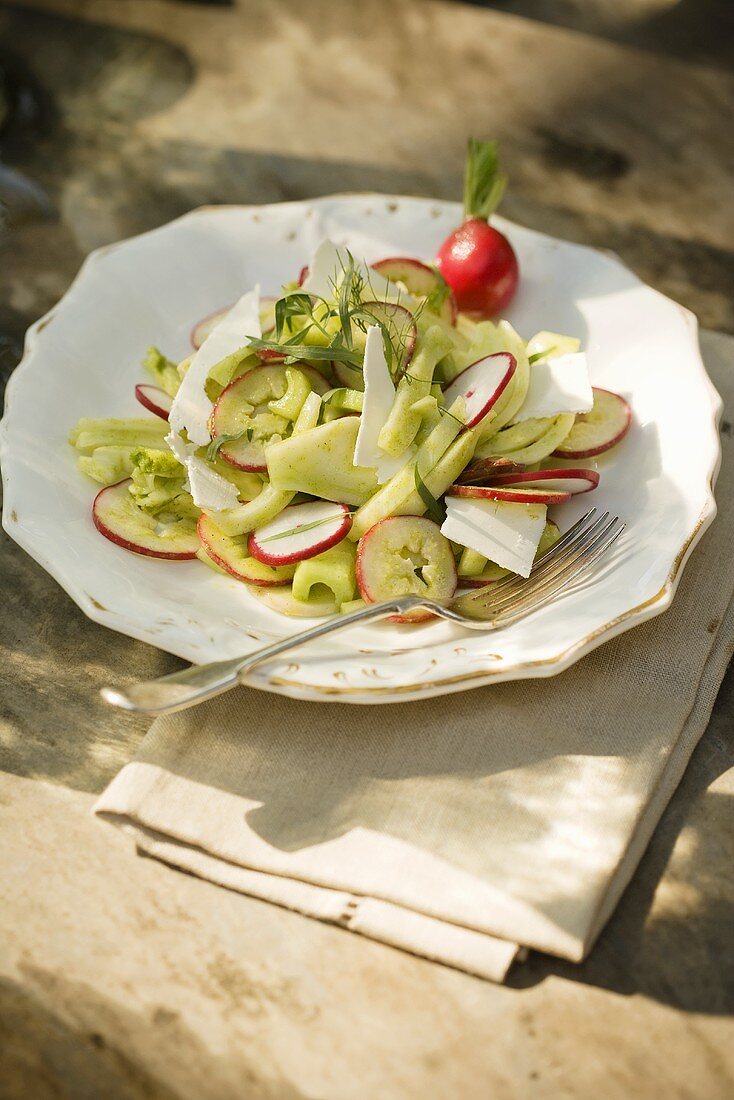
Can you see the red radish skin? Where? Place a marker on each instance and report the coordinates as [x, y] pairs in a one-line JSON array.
[[562, 480], [476, 260], [203, 328], [608, 423], [241, 454], [483, 470], [515, 496], [154, 399], [289, 550], [104, 520], [420, 280], [388, 537], [215, 545], [480, 266], [303, 275], [481, 385]]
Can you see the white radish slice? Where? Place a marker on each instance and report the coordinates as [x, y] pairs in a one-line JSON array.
[[154, 399], [242, 405], [203, 329], [481, 385], [116, 516], [405, 555], [419, 280], [402, 331], [231, 554], [559, 480], [300, 531], [513, 495], [599, 429], [284, 602]]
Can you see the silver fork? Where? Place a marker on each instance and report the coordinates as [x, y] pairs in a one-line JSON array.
[[498, 604]]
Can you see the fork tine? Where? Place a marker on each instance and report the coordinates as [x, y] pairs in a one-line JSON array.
[[573, 533], [523, 587], [553, 585], [566, 567], [501, 591]]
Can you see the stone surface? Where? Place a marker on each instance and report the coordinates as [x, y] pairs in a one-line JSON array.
[[121, 978]]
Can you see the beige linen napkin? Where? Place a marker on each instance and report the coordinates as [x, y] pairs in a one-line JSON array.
[[462, 827]]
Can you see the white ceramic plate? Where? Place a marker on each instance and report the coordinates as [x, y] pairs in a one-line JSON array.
[[82, 359]]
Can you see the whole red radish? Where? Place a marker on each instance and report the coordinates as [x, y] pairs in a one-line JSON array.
[[477, 261]]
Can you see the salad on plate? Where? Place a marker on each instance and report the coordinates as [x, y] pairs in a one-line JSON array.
[[371, 431]]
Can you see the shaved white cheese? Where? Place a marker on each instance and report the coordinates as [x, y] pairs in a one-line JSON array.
[[191, 407], [503, 532], [379, 397], [327, 266], [210, 490], [557, 385]]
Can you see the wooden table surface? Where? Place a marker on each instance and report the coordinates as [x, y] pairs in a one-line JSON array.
[[120, 977]]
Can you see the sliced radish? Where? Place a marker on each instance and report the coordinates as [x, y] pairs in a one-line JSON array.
[[242, 407], [599, 429], [419, 280], [303, 275], [232, 555], [204, 328], [517, 496], [154, 399], [405, 555], [300, 531], [481, 385], [482, 470], [284, 602], [119, 519], [402, 331], [559, 480]]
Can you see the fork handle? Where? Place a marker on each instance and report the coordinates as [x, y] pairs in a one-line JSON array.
[[199, 682]]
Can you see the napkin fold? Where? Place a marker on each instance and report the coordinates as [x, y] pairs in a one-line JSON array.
[[461, 828]]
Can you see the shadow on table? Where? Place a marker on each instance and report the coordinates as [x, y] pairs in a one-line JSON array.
[[670, 936]]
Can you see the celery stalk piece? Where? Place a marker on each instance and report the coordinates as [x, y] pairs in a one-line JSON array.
[[545, 445], [91, 433], [321, 462], [308, 417], [549, 345], [444, 457], [519, 435], [471, 563], [266, 506], [107, 465], [163, 370], [404, 422], [270, 501], [292, 401], [158, 485], [335, 569]]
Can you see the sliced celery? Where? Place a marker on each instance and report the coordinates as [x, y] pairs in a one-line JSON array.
[[404, 422], [91, 433], [320, 462], [107, 465], [334, 569], [557, 430]]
